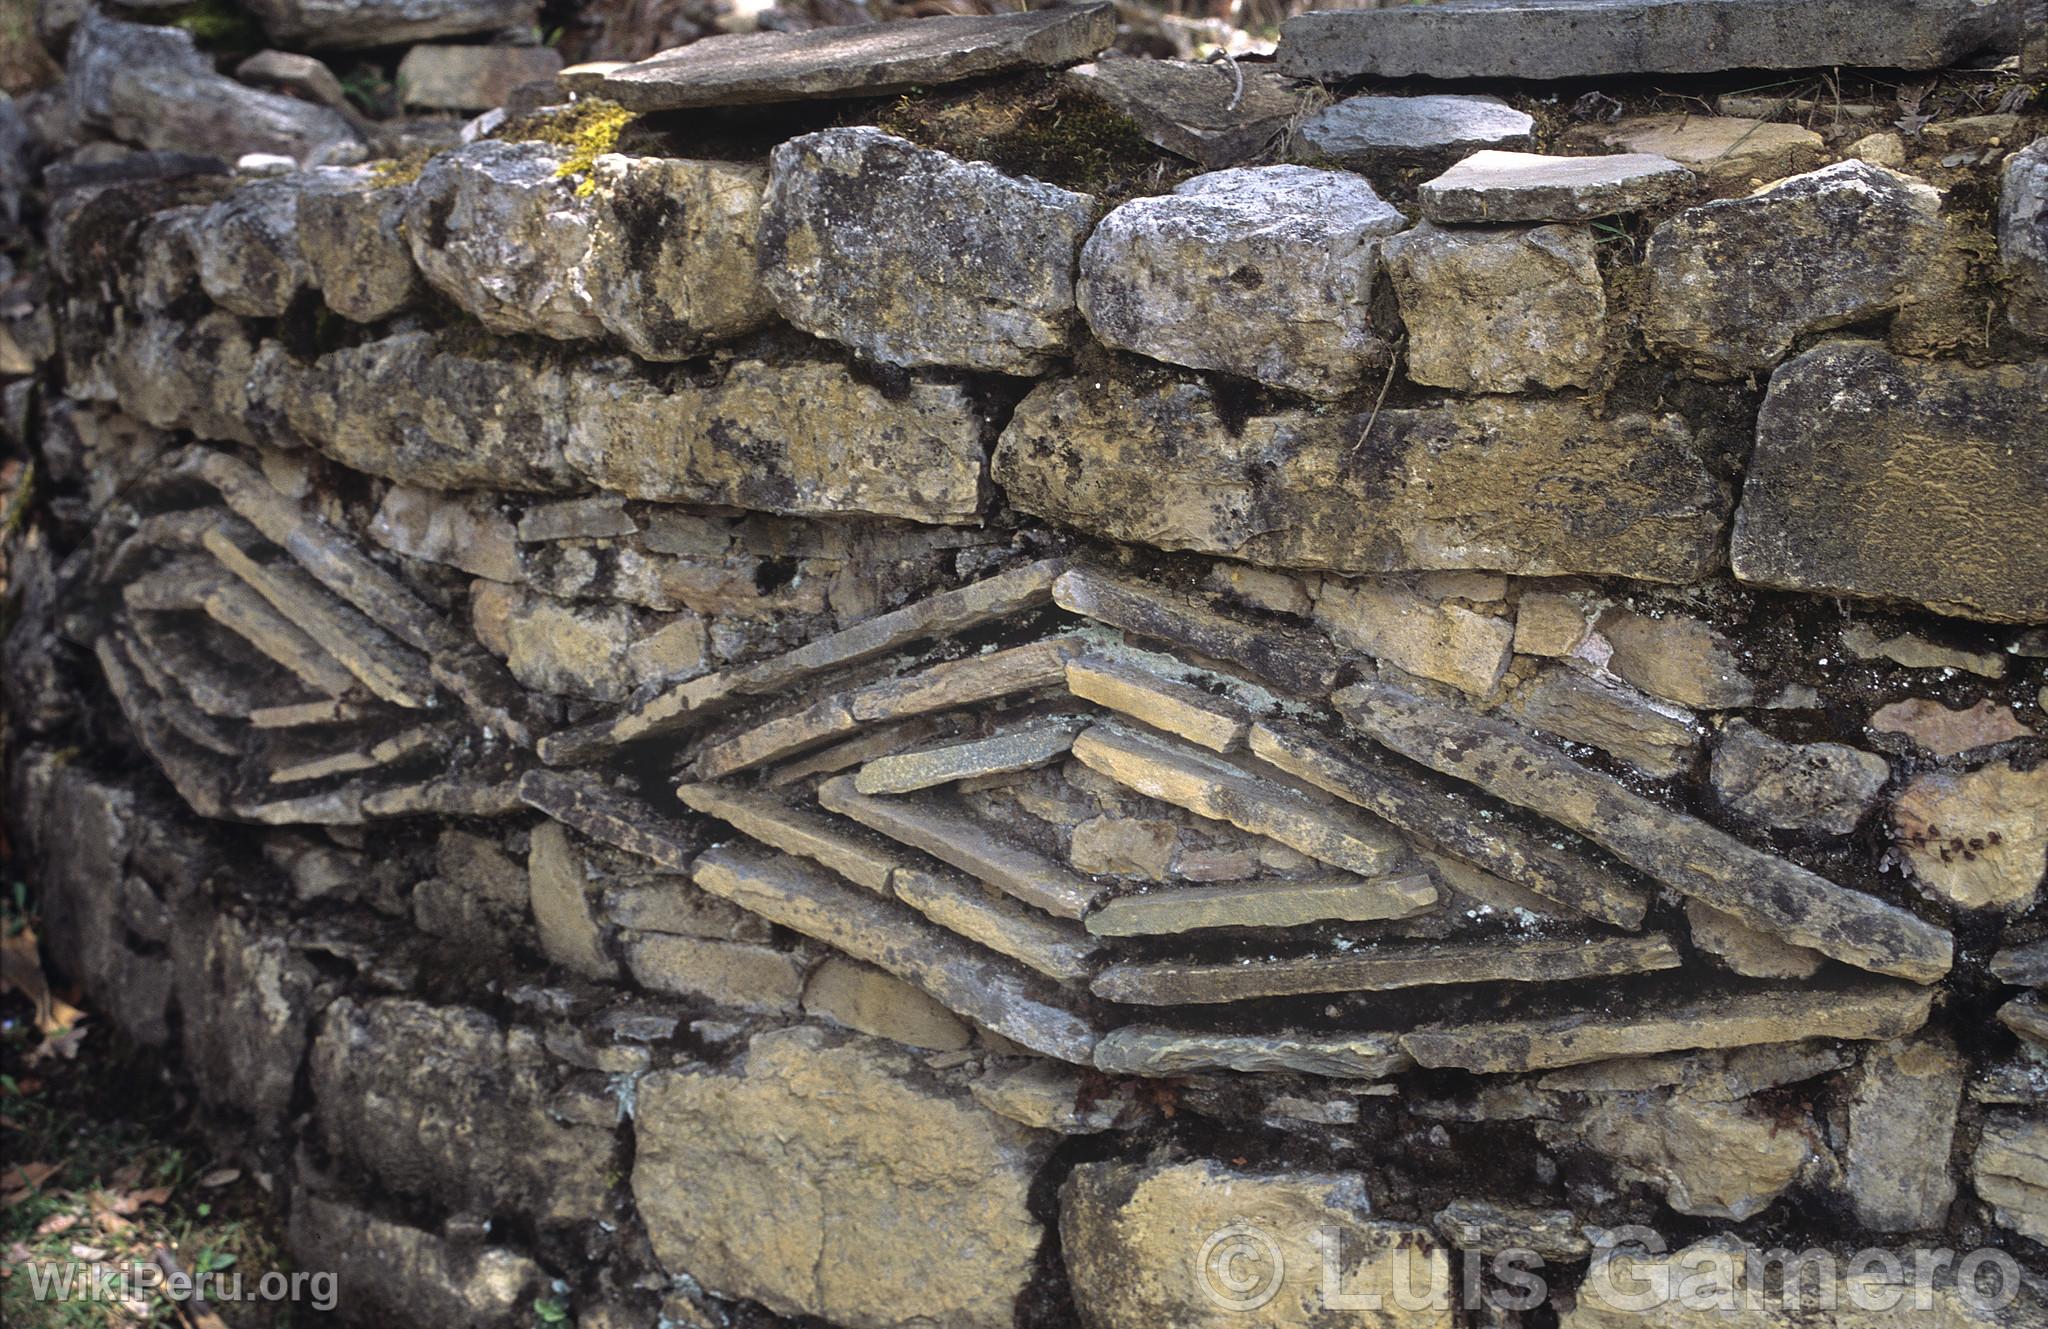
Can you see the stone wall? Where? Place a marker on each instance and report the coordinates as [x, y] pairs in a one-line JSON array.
[[741, 715]]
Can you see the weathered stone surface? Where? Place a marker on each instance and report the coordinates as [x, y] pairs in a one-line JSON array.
[[1140, 1245], [466, 531], [1481, 1225], [1055, 948], [1726, 1074], [1369, 131], [301, 75], [564, 902], [1141, 847], [444, 1102], [1678, 657], [495, 228], [1890, 1010], [1733, 155], [2023, 237], [2024, 966], [471, 78], [387, 1272], [913, 257], [1281, 903], [1745, 950], [1734, 283], [1199, 111], [1288, 657], [1265, 272], [1180, 709], [1877, 476], [247, 247], [671, 263], [779, 824], [1384, 969], [1917, 652], [326, 24], [1710, 1157], [248, 1002], [877, 1228], [1824, 787], [1944, 731], [1021, 747], [351, 240], [857, 61], [869, 1001], [2028, 1017], [1531, 187], [2010, 1171], [596, 650], [742, 975], [1416, 633], [1659, 740], [1588, 38], [1500, 310], [1978, 839], [1693, 858], [1049, 1096], [1902, 1106], [1536, 487]]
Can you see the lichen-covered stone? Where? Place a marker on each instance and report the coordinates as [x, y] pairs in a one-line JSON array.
[[1902, 1107], [1533, 187], [1212, 114], [2023, 237], [601, 651], [1369, 131], [1734, 283], [495, 228], [1500, 309], [1980, 838], [351, 239], [1537, 487], [671, 262], [1876, 476], [1266, 272], [898, 1200], [914, 257], [1823, 787], [247, 248]]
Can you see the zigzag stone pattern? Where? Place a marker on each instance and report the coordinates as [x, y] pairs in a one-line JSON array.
[[824, 717]]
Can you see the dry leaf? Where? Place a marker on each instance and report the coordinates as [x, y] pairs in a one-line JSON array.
[[21, 970], [84, 1252], [220, 1176], [55, 1224]]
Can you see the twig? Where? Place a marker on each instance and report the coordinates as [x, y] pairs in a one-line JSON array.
[[1393, 363], [1237, 96]]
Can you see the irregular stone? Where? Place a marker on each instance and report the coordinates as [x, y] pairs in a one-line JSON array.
[[496, 228], [1734, 283], [1274, 592], [1371, 131], [672, 904], [2010, 1171], [1384, 969], [744, 976], [1433, 639], [1048, 1096], [1211, 787], [835, 1134], [1547, 623], [1023, 747], [385, 1271], [301, 75], [1056, 949], [1534, 487], [1890, 1010], [444, 1103], [1732, 154], [466, 531], [565, 904], [1823, 787], [1288, 657], [671, 264], [779, 824], [1281, 903], [352, 241], [1141, 1245], [1745, 950], [247, 248], [1978, 839], [249, 616], [600, 651], [249, 1002], [1710, 1157], [1185, 711], [1531, 187], [2023, 238], [1142, 847], [1946, 732], [2023, 966], [1265, 272], [2027, 1017], [1591, 38], [1202, 111], [1659, 740], [1480, 1225], [1899, 480], [1676, 657], [869, 1001], [1693, 858], [876, 60], [1902, 1106], [471, 78], [360, 24], [913, 257], [1725, 1075]]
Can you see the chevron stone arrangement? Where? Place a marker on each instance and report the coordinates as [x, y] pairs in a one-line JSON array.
[[927, 676]]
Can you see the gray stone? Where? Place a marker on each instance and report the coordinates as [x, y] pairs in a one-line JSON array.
[[1676, 656], [247, 247], [671, 264], [1210, 113], [1499, 309], [1281, 903], [1152, 1050], [862, 858], [471, 78], [1824, 787], [1902, 1107], [358, 24], [1053, 947], [248, 1001], [1538, 487], [1266, 272], [1879, 477], [2023, 237], [2024, 965], [1734, 283], [1480, 1225], [1525, 186], [351, 238], [1591, 38], [466, 531], [386, 1272], [913, 257], [1021, 748], [876, 1228], [2010, 1171], [1287, 657], [495, 228], [1365, 132], [872, 60], [300, 75], [1659, 740]]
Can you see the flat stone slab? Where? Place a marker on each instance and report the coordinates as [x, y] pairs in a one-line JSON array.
[[1291, 658], [1368, 131], [1153, 1050], [1020, 748], [1197, 111], [771, 819], [1181, 709], [1280, 903], [870, 61], [1527, 186], [1555, 39], [1053, 947], [1385, 969]]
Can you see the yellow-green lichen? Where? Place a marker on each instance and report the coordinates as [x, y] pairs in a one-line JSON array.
[[585, 129]]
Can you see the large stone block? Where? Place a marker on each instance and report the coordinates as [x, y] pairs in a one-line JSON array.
[[1536, 487], [247, 247], [351, 237], [248, 1002], [1500, 309], [913, 257], [897, 1200], [1880, 477], [2023, 237], [393, 1273], [1265, 272]]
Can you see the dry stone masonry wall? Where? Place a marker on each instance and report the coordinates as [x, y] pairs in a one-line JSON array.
[[918, 675]]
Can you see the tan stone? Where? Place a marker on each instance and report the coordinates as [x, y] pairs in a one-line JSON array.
[[1049, 1096], [1713, 1158], [1734, 155], [1946, 732], [1745, 950], [1978, 839], [1915, 652], [1429, 638], [1288, 657], [1124, 847], [1154, 1050], [865, 999], [1020, 747], [1676, 657], [1178, 708], [1549, 623], [778, 823], [1283, 903], [1262, 588], [563, 908], [466, 531], [2010, 1171], [1657, 739], [739, 974], [1500, 309], [1053, 947]]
